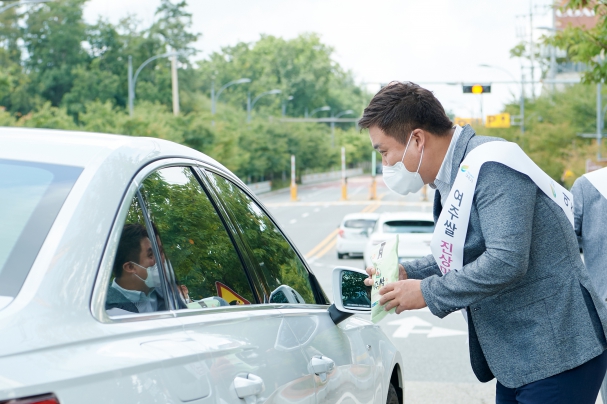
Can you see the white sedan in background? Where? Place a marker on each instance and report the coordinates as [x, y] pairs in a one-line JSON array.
[[137, 270], [414, 230], [353, 234]]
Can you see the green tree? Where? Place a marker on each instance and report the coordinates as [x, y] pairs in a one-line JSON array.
[[586, 45]]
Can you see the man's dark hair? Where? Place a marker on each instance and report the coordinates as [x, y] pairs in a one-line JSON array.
[[400, 108], [129, 247]]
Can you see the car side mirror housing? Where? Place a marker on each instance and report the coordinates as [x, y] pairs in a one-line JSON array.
[[350, 295]]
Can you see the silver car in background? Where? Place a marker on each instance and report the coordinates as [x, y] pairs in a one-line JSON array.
[[353, 234], [136, 270]]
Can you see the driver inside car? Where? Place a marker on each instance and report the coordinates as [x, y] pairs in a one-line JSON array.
[[133, 289]]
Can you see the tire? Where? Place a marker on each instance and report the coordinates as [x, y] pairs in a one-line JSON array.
[[340, 256], [392, 395]]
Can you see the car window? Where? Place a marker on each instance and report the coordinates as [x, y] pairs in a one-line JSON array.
[[408, 226], [202, 265], [283, 271], [135, 285], [359, 223], [31, 195]]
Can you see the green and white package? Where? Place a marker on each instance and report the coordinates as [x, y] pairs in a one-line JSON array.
[[385, 262]]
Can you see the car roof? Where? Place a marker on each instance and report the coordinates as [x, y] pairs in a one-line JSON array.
[[387, 216], [85, 149]]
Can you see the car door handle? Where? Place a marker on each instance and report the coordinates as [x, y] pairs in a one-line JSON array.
[[247, 386], [321, 365]]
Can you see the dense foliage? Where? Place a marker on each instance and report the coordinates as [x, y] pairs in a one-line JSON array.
[[61, 72]]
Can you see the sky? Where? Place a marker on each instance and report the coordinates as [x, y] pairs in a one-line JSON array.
[[429, 42]]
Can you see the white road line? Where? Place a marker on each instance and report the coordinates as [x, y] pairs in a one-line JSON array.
[[305, 214], [316, 210], [292, 221]]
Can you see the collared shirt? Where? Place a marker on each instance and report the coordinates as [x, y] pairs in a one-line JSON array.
[[443, 178], [144, 303]]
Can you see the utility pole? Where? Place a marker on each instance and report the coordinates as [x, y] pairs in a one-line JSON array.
[[531, 49], [130, 84], [175, 84], [599, 120]]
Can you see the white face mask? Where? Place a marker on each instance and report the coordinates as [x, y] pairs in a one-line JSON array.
[[153, 279], [400, 180]]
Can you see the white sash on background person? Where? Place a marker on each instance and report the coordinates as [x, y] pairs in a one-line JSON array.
[[452, 226], [598, 179]]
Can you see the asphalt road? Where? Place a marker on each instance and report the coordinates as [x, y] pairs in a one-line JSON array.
[[435, 351]]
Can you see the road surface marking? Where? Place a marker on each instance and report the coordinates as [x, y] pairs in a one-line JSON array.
[[320, 245], [305, 214], [316, 210], [292, 221], [415, 325], [327, 248]]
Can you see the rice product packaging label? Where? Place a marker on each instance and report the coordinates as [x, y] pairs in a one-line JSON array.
[[385, 262]]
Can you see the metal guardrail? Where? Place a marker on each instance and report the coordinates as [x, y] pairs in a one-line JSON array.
[[330, 175], [260, 187]]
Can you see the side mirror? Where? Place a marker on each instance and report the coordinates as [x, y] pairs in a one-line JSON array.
[[350, 295]]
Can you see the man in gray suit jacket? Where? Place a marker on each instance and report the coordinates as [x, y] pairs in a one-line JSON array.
[[535, 321], [590, 212]]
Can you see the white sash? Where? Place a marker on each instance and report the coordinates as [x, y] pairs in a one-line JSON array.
[[452, 226], [598, 179]]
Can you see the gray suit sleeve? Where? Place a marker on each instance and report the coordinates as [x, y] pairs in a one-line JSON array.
[[421, 268], [578, 207], [505, 201]]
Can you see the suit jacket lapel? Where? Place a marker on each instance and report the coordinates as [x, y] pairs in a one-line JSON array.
[[458, 156], [460, 150]]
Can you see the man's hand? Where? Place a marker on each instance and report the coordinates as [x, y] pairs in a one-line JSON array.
[[402, 275], [404, 295]]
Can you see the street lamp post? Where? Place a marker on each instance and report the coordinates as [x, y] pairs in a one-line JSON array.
[[522, 97], [325, 108], [284, 105], [22, 3], [349, 111], [215, 97], [132, 80], [250, 104]]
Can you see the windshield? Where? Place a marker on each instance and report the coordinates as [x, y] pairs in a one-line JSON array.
[[408, 226], [31, 195]]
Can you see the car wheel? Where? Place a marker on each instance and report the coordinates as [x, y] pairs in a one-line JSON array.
[[392, 395], [340, 256]]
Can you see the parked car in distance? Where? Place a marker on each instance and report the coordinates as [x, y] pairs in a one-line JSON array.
[[137, 270], [353, 234], [414, 230]]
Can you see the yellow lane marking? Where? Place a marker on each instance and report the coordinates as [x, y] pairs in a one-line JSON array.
[[322, 243], [328, 247]]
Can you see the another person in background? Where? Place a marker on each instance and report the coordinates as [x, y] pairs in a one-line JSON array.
[[590, 213]]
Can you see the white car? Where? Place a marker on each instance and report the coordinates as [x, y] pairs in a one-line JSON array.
[[353, 234], [136, 270], [414, 231]]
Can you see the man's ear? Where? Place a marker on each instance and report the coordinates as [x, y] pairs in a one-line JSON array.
[[419, 138], [128, 267]]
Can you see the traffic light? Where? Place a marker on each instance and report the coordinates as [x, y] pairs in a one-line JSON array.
[[476, 88]]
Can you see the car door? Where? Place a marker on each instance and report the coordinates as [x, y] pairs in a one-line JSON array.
[[151, 358], [244, 348], [337, 357]]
